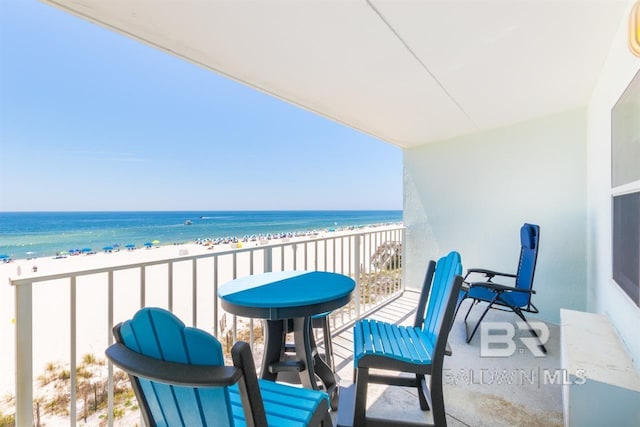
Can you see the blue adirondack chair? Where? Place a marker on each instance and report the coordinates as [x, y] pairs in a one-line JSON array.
[[179, 378], [516, 298], [418, 350]]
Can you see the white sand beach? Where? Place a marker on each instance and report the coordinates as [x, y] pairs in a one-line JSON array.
[[51, 307], [51, 300]]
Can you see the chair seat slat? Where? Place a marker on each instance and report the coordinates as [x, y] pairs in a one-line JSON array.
[[393, 344]]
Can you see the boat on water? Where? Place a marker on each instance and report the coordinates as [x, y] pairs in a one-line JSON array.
[[188, 222]]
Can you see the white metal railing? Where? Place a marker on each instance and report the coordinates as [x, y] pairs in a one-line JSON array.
[[372, 257]]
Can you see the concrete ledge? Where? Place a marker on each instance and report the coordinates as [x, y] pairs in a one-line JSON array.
[[600, 385]]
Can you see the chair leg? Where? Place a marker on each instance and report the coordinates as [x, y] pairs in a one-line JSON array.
[[328, 345], [360, 406], [460, 300], [520, 314], [327, 421], [437, 399], [424, 405], [466, 329], [469, 337]]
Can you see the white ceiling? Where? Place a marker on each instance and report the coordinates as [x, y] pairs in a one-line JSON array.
[[407, 71]]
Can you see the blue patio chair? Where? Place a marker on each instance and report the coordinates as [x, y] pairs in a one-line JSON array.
[[517, 297], [418, 350], [179, 378]]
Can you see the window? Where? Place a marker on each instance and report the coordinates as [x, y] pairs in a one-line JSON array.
[[625, 190]]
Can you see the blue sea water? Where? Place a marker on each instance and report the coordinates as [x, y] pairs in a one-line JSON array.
[[43, 234]]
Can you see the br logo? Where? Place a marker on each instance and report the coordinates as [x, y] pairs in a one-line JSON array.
[[498, 339], [634, 29]]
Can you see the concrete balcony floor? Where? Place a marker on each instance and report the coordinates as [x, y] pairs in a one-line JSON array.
[[520, 390]]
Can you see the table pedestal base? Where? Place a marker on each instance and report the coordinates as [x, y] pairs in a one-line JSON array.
[[311, 368]]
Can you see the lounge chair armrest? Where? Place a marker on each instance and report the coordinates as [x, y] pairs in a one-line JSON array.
[[488, 273], [171, 372], [499, 287]]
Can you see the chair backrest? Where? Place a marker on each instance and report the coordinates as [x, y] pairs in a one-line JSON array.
[[529, 241], [446, 270], [159, 334], [424, 295], [434, 297]]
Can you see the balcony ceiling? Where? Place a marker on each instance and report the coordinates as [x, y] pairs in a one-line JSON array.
[[406, 72]]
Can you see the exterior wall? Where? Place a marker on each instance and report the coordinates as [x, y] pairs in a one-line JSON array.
[[473, 194], [604, 296]]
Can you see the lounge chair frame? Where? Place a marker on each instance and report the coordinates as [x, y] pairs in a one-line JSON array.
[[497, 296]]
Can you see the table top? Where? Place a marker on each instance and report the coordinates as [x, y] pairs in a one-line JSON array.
[[286, 294]]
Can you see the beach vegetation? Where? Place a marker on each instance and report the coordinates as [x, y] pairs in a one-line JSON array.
[[64, 374], [7, 420], [7, 403], [378, 285], [92, 389]]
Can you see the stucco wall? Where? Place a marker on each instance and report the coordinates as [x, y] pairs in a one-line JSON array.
[[473, 193], [604, 296]]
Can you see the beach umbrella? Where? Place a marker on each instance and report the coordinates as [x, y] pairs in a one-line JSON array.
[[107, 248], [130, 246], [4, 257], [156, 242], [86, 250]]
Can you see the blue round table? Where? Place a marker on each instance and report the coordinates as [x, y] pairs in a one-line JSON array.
[[287, 300]]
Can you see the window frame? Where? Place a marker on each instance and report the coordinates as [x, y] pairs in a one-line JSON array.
[[631, 92]]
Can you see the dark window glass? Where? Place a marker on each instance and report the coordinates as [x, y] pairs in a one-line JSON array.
[[626, 244]]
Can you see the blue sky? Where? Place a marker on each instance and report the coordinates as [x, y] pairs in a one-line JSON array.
[[91, 120]]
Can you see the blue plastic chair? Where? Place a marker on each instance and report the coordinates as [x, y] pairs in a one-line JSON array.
[[517, 297], [418, 350], [179, 378]]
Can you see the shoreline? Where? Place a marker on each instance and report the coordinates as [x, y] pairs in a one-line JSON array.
[[261, 238]]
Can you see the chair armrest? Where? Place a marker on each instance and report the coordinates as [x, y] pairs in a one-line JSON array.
[[173, 373], [488, 273], [498, 287]]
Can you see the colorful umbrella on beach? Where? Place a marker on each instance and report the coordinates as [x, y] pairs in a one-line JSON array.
[[85, 250], [130, 246], [156, 242], [107, 248], [148, 244]]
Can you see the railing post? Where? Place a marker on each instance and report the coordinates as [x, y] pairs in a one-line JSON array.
[[295, 255], [24, 355], [268, 259], [403, 281], [143, 286], [194, 294], [356, 271], [170, 286], [73, 378], [216, 314], [109, 342]]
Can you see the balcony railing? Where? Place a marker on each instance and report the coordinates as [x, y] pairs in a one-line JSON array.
[[187, 284]]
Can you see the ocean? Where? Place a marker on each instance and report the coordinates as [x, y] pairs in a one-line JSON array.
[[43, 234]]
